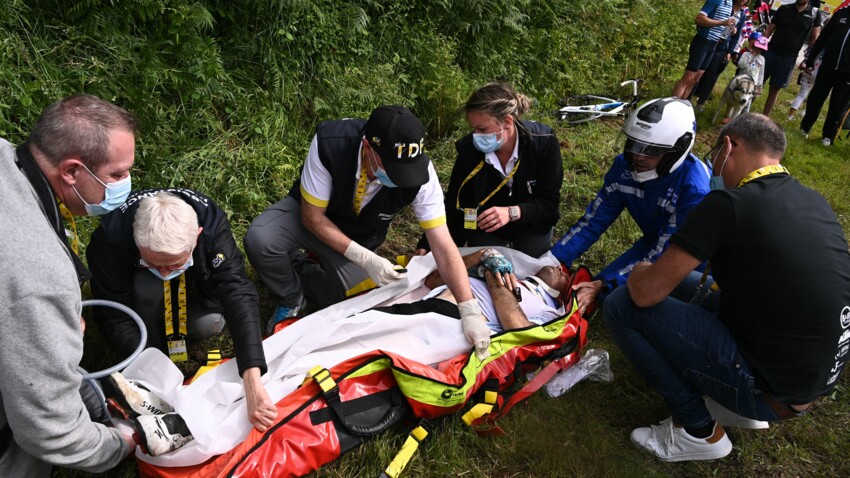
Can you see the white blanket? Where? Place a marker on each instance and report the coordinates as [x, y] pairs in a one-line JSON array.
[[214, 406]]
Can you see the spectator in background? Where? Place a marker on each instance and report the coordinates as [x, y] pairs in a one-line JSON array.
[[505, 186], [806, 80], [752, 63], [713, 19], [790, 27], [726, 49], [833, 75]]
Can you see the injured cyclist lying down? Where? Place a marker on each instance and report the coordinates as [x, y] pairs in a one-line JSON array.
[[212, 407]]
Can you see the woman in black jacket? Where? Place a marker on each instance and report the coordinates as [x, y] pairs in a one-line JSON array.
[[505, 187]]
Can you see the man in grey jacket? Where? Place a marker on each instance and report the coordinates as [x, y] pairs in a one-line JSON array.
[[77, 159]]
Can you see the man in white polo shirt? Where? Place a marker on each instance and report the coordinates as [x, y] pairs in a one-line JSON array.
[[357, 176]]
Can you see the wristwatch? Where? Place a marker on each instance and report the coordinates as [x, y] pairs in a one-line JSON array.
[[513, 212]]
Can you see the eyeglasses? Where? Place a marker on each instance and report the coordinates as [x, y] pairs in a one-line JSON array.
[[708, 157]]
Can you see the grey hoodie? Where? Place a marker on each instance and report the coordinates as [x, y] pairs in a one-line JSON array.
[[41, 343]]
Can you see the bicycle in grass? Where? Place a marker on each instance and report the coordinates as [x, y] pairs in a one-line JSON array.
[[577, 109]]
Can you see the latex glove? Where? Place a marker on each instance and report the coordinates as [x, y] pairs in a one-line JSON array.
[[475, 328], [379, 269]]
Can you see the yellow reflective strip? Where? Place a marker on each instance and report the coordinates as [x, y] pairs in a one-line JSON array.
[[406, 452], [432, 223], [371, 367], [313, 199], [490, 396], [432, 393], [476, 412], [66, 213], [169, 315]]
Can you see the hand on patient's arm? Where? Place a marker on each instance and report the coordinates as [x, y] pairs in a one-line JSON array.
[[586, 293], [261, 410]]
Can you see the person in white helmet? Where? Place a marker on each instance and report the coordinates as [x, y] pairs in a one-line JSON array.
[[656, 179]]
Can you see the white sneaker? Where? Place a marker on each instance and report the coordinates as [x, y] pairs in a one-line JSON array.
[[670, 442], [133, 398], [826, 142], [160, 434], [730, 419]]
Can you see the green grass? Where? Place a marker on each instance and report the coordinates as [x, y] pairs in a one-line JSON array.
[[228, 94], [585, 432]]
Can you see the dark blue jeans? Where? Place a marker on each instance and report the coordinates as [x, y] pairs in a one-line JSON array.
[[684, 352]]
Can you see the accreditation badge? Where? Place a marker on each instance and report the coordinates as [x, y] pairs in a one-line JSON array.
[[470, 218], [177, 350]]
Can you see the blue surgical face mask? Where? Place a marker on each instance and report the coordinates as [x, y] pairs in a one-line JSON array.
[[172, 274], [382, 176], [488, 142], [716, 183], [114, 195]]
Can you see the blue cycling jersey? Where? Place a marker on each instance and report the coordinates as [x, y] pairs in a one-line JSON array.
[[658, 207]]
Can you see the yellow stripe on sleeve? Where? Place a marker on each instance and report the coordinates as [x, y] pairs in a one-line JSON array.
[[313, 199], [432, 223]]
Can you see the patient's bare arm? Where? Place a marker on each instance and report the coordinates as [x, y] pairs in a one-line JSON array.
[[434, 280], [507, 308]]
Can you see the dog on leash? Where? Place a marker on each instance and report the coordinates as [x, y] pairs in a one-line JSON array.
[[737, 94]]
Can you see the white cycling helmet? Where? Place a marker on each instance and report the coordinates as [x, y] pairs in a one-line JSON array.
[[663, 127]]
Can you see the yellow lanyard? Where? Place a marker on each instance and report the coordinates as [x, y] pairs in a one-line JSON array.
[[181, 303], [474, 172], [70, 218], [361, 186], [763, 171]]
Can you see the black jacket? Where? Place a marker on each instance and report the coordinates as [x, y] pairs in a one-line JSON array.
[[218, 273], [834, 41], [536, 185]]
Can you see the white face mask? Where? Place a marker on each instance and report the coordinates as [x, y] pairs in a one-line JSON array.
[[644, 176]]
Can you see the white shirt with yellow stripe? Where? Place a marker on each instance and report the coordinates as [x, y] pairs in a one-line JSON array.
[[317, 184]]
